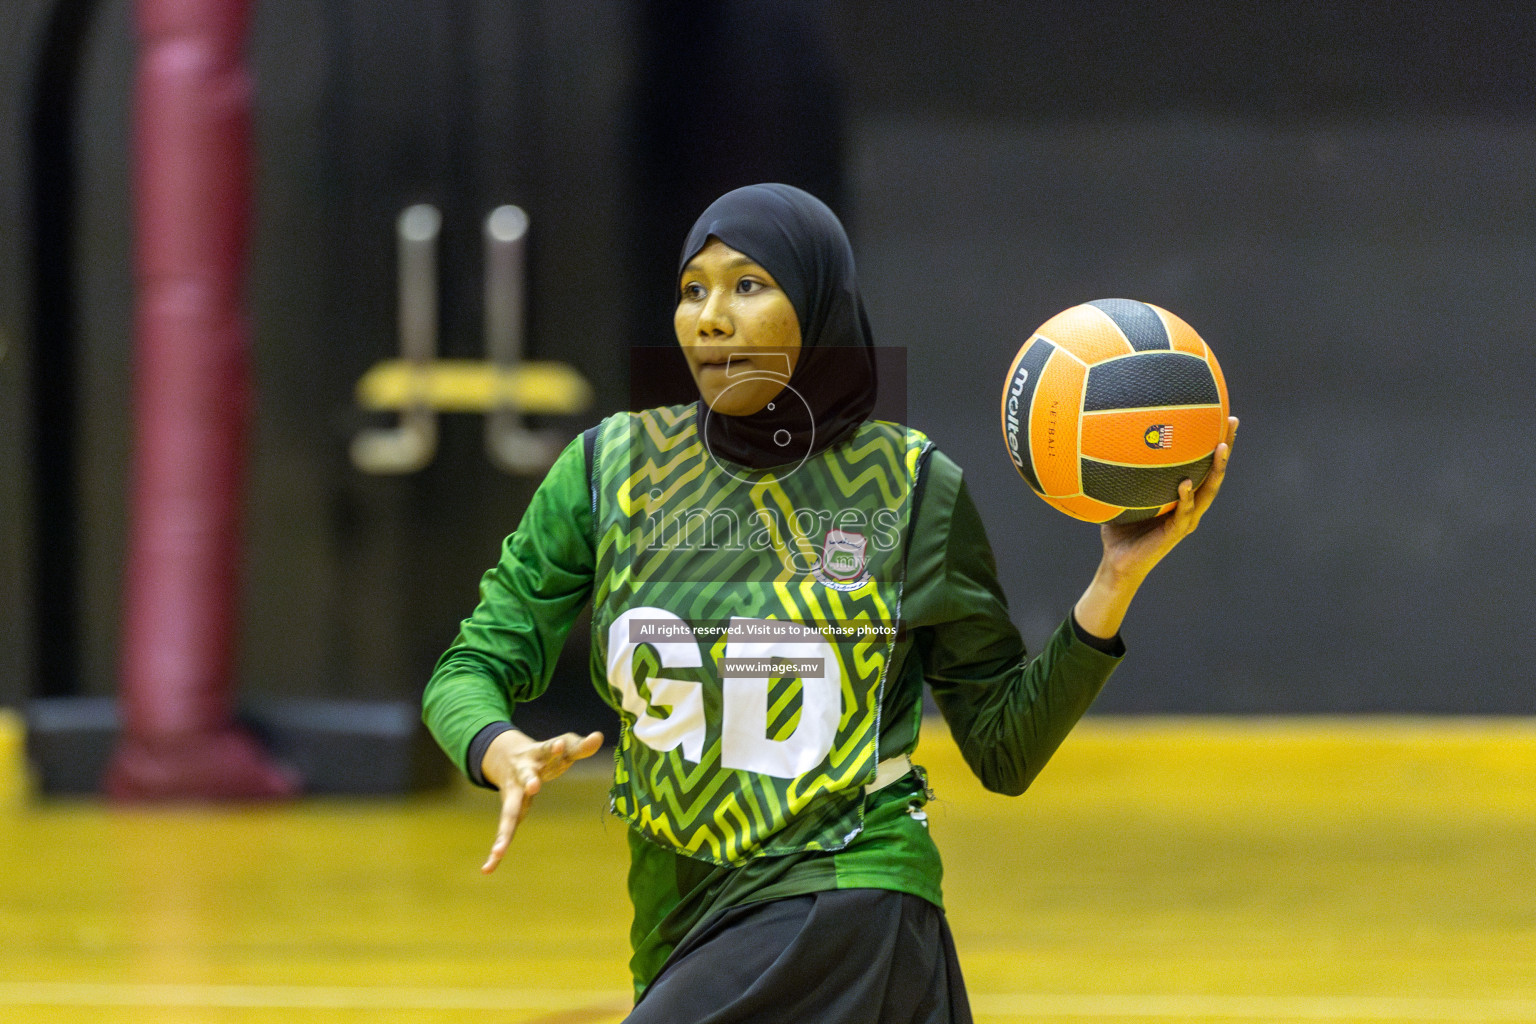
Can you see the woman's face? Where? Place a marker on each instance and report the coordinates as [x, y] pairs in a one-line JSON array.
[[738, 330]]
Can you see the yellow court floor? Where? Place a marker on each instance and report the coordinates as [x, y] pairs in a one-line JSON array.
[[1159, 870]]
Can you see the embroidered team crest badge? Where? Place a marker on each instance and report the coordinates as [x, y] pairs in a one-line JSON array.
[[842, 565]]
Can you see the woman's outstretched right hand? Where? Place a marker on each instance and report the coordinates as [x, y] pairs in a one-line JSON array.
[[519, 765]]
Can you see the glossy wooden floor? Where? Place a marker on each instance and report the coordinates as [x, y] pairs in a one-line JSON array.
[[1159, 870]]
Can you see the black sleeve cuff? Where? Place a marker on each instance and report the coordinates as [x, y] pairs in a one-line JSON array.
[[1114, 646], [477, 748]]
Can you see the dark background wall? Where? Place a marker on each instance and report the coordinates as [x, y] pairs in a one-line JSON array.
[[352, 584], [1337, 200]]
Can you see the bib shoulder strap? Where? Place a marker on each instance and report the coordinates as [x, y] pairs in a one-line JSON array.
[[919, 485], [589, 447]]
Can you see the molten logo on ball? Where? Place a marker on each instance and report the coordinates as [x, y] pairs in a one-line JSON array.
[[1015, 389]]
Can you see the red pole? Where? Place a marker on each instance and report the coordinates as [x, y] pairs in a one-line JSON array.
[[192, 398]]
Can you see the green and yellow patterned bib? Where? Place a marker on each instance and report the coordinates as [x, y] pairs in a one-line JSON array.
[[744, 620]]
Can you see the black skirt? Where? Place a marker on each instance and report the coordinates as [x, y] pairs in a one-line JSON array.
[[844, 956]]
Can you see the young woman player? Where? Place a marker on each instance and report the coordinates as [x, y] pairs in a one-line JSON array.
[[749, 558]]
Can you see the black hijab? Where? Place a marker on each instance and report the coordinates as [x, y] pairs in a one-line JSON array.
[[796, 238]]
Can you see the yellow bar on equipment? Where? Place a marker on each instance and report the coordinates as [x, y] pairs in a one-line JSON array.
[[474, 385]]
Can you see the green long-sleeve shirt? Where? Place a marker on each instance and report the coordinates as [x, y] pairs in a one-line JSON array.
[[1007, 713]]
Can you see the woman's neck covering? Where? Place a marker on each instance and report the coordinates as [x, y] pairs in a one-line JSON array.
[[796, 238]]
